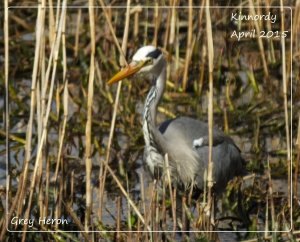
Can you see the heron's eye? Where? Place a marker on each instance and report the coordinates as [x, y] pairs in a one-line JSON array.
[[149, 61]]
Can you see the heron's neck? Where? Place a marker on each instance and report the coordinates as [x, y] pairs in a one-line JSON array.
[[150, 108]]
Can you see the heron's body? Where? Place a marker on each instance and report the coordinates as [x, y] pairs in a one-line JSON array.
[[184, 139], [189, 159]]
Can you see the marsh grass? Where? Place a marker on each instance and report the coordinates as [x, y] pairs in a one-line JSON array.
[[74, 149]]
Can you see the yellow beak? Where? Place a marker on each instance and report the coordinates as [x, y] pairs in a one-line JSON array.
[[128, 71]]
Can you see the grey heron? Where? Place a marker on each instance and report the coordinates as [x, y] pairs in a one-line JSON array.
[[184, 139]]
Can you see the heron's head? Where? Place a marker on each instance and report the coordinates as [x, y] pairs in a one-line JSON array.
[[147, 60]]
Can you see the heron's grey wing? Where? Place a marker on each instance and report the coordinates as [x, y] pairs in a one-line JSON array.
[[191, 129], [178, 140]]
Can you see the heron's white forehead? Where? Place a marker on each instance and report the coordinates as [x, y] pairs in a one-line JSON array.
[[143, 52]]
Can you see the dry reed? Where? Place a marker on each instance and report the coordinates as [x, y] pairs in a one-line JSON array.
[[7, 119], [285, 98], [55, 52], [189, 49], [210, 167], [77, 33], [172, 196], [28, 148], [45, 195], [88, 130], [260, 43], [297, 161], [102, 176]]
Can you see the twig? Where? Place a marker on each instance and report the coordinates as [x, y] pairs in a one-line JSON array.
[[126, 195], [76, 220]]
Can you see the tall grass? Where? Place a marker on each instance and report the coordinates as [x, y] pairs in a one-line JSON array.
[[210, 167], [75, 122], [285, 93], [7, 120], [88, 130]]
